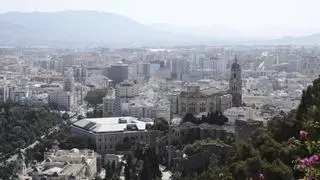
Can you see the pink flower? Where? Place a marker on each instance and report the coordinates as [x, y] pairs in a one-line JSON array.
[[313, 159], [261, 176], [303, 134], [304, 161], [310, 178]]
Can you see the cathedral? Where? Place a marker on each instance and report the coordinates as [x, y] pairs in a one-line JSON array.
[[235, 84], [211, 99]]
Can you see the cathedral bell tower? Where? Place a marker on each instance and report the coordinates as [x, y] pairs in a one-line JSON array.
[[235, 84]]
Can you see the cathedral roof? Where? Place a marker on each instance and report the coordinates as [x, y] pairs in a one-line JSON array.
[[235, 64]]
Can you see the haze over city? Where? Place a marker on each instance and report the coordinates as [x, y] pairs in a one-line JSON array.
[[246, 18]]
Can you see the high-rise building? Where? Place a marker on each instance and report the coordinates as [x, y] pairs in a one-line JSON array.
[[4, 93], [235, 84], [178, 67], [143, 69], [127, 89], [118, 72], [109, 105], [68, 84], [80, 74]]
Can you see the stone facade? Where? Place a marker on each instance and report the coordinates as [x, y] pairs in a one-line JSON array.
[[198, 101], [235, 84]]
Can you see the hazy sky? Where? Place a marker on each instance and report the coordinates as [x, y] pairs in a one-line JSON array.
[[297, 16]]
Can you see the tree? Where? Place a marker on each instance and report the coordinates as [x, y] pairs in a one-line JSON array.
[[109, 172], [284, 126], [96, 113], [161, 124], [22, 124], [190, 118], [150, 169], [95, 97], [128, 167]]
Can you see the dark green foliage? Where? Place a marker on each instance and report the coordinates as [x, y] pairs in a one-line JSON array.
[[216, 170], [195, 147], [309, 109], [21, 125], [96, 113], [284, 126], [216, 118], [189, 117], [94, 97], [6, 170], [161, 124], [142, 163], [150, 169], [252, 167]]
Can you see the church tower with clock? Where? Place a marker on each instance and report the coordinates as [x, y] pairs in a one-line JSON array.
[[235, 84]]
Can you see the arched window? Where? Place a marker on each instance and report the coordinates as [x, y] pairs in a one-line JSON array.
[[234, 75]]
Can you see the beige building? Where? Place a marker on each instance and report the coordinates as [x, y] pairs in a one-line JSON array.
[[107, 133], [71, 164], [198, 101]]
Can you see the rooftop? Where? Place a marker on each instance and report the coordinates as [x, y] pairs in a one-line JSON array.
[[112, 124]]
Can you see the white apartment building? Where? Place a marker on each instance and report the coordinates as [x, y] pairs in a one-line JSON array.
[[109, 105], [127, 89], [63, 99]]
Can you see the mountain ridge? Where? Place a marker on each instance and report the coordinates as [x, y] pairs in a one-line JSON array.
[[103, 28]]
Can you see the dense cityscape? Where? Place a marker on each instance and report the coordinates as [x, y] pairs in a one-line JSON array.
[[183, 104], [90, 95]]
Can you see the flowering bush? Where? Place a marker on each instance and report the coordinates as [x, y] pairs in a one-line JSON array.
[[309, 165]]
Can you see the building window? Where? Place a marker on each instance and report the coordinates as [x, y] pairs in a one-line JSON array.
[[211, 107], [183, 107], [202, 107], [192, 108], [234, 76]]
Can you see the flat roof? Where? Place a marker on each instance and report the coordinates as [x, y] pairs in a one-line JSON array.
[[111, 124]]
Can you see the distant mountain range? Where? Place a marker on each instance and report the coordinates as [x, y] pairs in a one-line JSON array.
[[80, 26], [107, 28]]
